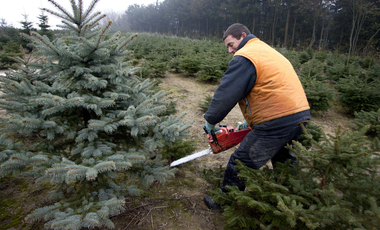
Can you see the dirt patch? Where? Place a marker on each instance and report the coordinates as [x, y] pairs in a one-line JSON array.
[[330, 120]]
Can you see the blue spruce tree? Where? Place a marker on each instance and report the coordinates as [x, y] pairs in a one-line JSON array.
[[92, 128]]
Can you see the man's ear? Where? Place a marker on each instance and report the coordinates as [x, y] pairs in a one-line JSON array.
[[243, 35]]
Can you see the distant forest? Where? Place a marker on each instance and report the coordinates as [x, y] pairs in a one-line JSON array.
[[346, 26], [349, 26]]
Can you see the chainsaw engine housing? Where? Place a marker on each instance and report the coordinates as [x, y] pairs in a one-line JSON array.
[[226, 138]]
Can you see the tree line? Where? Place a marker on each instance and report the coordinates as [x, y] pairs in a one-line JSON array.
[[350, 26], [11, 40]]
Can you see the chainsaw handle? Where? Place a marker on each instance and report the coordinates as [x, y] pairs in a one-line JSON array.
[[214, 138], [212, 133], [204, 128]]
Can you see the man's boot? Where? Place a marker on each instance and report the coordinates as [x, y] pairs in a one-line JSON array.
[[212, 204]]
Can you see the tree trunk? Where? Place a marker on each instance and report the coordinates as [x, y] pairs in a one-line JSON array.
[[286, 28], [313, 34], [274, 27], [321, 36], [359, 14], [253, 25], [366, 48], [294, 31]]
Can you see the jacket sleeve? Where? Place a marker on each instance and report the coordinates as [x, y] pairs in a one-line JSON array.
[[236, 83]]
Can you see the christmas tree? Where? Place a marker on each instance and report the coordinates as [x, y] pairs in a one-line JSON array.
[[82, 120], [335, 185]]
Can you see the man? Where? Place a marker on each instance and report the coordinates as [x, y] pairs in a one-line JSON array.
[[271, 98]]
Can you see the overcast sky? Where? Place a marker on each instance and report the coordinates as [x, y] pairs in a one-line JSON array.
[[13, 10]]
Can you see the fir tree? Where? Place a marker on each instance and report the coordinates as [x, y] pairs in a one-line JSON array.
[[44, 26], [335, 185], [27, 27], [92, 126], [371, 119]]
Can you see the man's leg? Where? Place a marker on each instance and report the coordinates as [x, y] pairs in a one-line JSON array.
[[285, 154], [242, 153], [252, 153], [257, 148], [231, 173]]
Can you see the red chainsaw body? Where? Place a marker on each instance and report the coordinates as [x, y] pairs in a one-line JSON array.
[[227, 137]]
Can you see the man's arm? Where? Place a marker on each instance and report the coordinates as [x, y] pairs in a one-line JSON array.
[[236, 82]]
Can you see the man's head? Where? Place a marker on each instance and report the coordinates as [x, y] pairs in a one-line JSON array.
[[234, 35]]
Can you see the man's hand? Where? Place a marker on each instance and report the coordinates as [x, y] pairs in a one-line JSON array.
[[243, 125], [210, 127]]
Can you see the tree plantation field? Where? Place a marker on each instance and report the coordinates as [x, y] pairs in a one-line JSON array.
[[176, 203], [342, 92], [331, 80]]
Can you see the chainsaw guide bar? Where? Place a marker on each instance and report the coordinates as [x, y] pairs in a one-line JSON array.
[[191, 157], [225, 138]]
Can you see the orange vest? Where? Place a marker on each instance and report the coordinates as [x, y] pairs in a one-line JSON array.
[[277, 92]]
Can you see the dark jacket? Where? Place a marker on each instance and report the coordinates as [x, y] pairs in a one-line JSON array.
[[236, 83]]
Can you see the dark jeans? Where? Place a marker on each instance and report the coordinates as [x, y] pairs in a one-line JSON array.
[[257, 148]]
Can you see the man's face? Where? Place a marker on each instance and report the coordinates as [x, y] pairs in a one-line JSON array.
[[232, 43]]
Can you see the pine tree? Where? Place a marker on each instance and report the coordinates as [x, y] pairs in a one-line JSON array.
[[90, 126]]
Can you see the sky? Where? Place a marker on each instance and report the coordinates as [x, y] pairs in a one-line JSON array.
[[13, 10]]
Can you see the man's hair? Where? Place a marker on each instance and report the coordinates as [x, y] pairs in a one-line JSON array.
[[235, 30]]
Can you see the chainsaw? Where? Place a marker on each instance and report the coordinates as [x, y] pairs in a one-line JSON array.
[[221, 140]]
